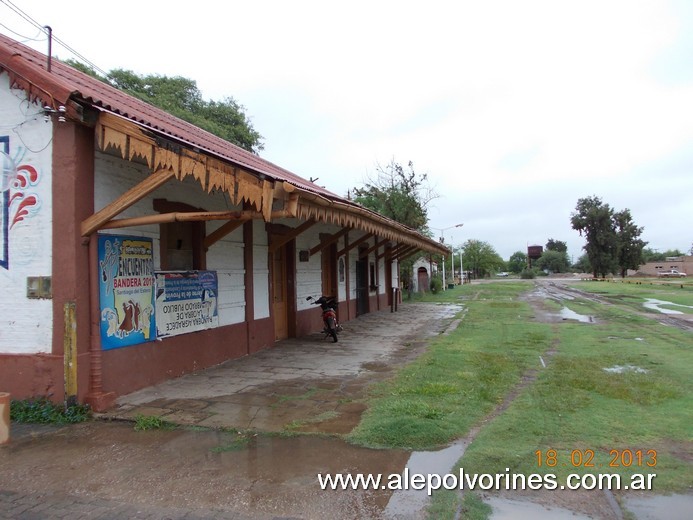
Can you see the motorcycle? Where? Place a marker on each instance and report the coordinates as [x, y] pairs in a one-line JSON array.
[[328, 304]]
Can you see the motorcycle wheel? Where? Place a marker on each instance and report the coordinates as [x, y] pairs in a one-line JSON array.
[[332, 329]]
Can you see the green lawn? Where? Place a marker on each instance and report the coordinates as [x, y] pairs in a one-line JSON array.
[[587, 414]]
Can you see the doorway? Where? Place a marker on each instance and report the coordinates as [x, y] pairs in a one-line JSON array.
[[280, 292], [361, 287], [422, 280]]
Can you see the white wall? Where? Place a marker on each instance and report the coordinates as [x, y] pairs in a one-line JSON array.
[[309, 274], [26, 323], [260, 271]]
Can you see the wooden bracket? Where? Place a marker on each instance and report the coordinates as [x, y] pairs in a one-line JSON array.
[[127, 199], [356, 243], [279, 240], [328, 242]]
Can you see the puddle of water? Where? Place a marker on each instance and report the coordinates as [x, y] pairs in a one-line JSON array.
[[409, 503], [674, 507], [658, 305], [568, 314], [506, 509], [270, 476], [620, 369]]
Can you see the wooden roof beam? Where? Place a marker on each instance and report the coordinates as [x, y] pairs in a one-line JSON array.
[[404, 252], [326, 243], [399, 247], [127, 199], [188, 216], [220, 233], [407, 254], [356, 243], [278, 241], [373, 248]]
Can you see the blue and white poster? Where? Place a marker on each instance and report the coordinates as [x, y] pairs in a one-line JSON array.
[[186, 301], [126, 290]]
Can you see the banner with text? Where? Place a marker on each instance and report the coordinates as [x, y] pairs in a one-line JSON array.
[[186, 301], [126, 290]]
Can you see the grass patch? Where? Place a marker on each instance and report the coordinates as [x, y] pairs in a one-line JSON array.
[[446, 504], [578, 408], [573, 406], [43, 411], [461, 377], [151, 422]]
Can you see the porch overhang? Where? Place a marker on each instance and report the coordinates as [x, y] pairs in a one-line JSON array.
[[268, 196]]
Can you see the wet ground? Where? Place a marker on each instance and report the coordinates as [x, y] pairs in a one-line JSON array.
[[214, 465]]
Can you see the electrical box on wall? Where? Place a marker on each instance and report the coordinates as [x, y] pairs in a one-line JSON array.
[[39, 287], [304, 256]]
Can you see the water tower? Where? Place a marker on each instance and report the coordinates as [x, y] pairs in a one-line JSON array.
[[534, 253]]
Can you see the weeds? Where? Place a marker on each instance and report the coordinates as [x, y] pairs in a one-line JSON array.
[[43, 411], [151, 422]]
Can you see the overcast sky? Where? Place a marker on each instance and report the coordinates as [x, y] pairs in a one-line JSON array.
[[514, 109]]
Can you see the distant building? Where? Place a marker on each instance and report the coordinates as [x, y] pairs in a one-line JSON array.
[[422, 270], [683, 264]]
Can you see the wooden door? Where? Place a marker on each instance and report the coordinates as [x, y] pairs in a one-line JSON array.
[[280, 307], [361, 287]]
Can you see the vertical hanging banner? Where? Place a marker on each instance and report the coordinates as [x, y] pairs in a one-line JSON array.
[[126, 290], [186, 301]]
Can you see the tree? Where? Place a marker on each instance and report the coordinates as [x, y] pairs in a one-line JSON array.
[[595, 220], [402, 195], [613, 240], [480, 258], [517, 262], [180, 97], [629, 255], [556, 245], [554, 261], [398, 193]]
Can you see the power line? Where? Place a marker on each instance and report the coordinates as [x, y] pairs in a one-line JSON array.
[[42, 28], [24, 38]]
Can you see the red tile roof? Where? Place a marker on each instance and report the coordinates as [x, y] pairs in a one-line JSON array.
[[27, 68], [65, 85]]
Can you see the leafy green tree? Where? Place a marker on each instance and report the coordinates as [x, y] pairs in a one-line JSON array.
[[180, 97], [629, 244], [398, 193], [650, 255], [517, 262], [481, 258], [613, 239], [556, 245], [554, 261], [403, 195], [595, 219]]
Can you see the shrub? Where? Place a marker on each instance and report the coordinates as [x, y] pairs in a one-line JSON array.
[[436, 285], [527, 274]]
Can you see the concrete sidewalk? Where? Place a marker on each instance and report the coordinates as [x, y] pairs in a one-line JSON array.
[[304, 384]]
